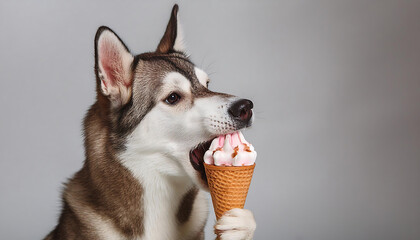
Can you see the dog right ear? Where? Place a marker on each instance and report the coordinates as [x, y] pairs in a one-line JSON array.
[[173, 39], [113, 67]]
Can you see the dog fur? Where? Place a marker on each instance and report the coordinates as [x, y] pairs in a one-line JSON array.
[[138, 180]]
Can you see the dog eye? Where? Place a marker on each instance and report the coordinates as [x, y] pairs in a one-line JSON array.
[[172, 98]]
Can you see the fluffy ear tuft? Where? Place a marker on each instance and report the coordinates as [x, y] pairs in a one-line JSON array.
[[113, 66], [173, 39]]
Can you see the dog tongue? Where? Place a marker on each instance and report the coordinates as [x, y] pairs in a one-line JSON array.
[[230, 150]]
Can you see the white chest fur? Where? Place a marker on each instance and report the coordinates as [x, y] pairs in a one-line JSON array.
[[162, 195]]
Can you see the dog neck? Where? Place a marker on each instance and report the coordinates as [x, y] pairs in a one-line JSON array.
[[154, 183]]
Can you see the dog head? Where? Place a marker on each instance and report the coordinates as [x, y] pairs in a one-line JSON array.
[[158, 104]]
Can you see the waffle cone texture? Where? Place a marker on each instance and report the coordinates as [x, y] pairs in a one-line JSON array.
[[228, 186]]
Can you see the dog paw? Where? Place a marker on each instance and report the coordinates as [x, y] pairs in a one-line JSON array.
[[236, 224]]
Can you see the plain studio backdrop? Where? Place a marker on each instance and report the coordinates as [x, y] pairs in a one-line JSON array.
[[336, 88]]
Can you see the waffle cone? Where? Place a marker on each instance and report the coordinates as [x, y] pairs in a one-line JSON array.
[[228, 186]]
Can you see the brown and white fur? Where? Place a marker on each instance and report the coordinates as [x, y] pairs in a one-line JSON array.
[[143, 176]]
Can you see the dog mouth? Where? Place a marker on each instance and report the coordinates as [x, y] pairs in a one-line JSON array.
[[197, 158]]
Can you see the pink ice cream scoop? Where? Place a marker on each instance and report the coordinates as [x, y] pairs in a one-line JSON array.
[[230, 150]]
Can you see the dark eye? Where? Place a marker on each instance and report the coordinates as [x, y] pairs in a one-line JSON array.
[[172, 98]]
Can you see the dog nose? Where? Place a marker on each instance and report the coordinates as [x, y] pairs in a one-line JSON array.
[[241, 110]]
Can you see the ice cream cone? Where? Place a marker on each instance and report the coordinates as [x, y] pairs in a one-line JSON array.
[[228, 186]]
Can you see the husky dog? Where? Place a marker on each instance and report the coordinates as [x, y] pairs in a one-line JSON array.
[[145, 137]]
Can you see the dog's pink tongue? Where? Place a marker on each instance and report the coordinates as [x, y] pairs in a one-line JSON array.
[[230, 150]]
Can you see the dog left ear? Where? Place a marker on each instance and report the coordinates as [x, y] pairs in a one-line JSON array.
[[113, 67], [173, 39]]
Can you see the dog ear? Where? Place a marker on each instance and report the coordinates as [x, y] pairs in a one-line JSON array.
[[113, 66], [173, 39]]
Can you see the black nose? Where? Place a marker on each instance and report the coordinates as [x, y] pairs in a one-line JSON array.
[[241, 110]]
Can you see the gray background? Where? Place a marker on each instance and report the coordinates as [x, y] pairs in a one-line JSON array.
[[336, 87]]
